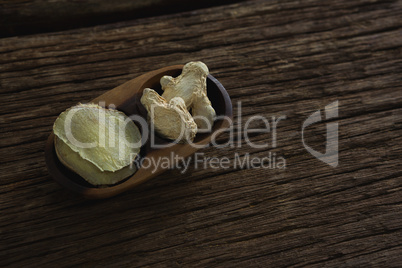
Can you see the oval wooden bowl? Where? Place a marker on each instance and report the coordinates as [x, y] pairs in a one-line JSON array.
[[126, 98]]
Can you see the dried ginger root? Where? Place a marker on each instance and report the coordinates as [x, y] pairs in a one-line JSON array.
[[170, 114]]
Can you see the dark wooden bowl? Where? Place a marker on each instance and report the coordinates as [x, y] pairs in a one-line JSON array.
[[126, 98]]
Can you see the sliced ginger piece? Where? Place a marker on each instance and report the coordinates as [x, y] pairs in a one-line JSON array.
[[98, 144]]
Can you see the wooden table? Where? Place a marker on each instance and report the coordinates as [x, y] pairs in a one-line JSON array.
[[276, 58]]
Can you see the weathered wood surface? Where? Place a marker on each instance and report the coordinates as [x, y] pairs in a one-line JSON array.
[[19, 17], [276, 57]]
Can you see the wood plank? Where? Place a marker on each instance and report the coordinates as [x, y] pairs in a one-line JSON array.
[[30, 17], [277, 58]]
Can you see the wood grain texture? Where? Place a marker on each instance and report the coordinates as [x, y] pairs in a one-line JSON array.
[[275, 57], [18, 17]]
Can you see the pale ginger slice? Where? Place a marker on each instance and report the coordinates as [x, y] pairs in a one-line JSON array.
[[170, 119], [191, 86], [98, 144], [86, 169]]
